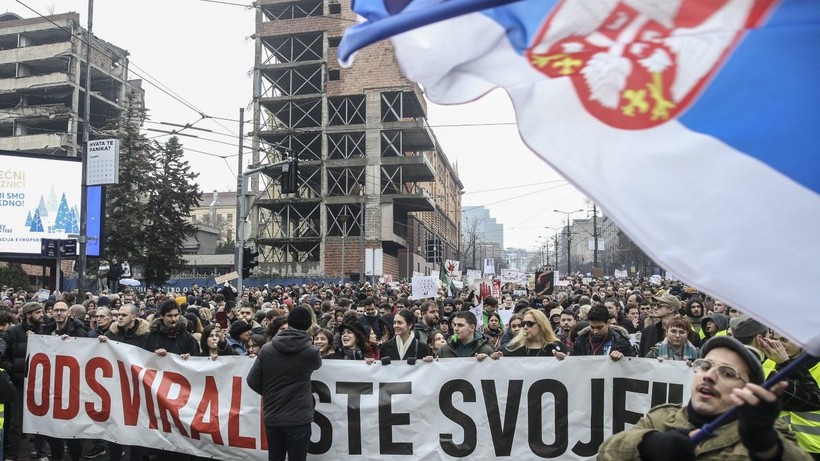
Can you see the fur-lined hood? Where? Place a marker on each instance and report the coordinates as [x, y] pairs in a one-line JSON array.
[[142, 329], [181, 325]]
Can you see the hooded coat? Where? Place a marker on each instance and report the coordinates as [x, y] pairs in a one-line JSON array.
[[281, 374], [720, 320]]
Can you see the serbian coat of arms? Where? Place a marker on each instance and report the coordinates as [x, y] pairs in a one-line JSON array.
[[638, 63]]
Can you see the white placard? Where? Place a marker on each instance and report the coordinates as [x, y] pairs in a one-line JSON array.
[[103, 162], [425, 286], [489, 266]]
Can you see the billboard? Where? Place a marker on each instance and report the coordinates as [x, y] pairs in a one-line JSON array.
[[40, 198]]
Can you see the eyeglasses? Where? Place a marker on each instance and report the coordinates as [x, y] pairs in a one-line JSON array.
[[724, 371], [528, 323]]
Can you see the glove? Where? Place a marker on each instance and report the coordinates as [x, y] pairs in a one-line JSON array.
[[756, 425], [667, 446]]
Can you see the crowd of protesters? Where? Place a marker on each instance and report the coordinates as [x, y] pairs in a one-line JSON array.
[[382, 322]]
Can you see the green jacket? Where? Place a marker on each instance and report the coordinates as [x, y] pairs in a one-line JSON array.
[[724, 446], [454, 348]]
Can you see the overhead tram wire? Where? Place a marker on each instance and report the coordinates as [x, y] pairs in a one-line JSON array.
[[147, 77]]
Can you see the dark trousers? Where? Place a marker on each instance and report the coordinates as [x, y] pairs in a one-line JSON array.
[[75, 448], [116, 452], [14, 433], [291, 440]]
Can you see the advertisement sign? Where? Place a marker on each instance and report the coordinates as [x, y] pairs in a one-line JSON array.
[[40, 199]]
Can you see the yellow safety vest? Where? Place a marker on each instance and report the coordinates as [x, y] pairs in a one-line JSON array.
[[806, 424], [2, 409]]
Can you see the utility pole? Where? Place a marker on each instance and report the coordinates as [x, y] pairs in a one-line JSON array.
[[595, 235], [569, 238], [240, 208], [82, 241]]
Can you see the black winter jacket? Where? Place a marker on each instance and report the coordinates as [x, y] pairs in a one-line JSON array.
[[281, 375], [416, 349], [73, 327], [14, 358], [618, 336], [174, 340]]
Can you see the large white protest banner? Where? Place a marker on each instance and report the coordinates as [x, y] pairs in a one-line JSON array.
[[522, 408]]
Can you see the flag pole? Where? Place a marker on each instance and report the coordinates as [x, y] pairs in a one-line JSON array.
[[708, 429]]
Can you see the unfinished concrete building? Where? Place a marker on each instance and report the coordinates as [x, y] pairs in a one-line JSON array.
[[372, 175], [42, 84]]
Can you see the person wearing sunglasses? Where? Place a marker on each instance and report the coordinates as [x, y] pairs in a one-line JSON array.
[[536, 338], [726, 375]]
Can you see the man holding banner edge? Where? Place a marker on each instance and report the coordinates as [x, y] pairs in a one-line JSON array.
[[727, 374]]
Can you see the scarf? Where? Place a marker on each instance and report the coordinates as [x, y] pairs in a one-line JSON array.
[[403, 346], [688, 352]]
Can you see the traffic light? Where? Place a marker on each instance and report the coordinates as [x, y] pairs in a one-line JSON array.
[[249, 260], [290, 176]]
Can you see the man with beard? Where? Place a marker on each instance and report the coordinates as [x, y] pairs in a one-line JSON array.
[[132, 330], [565, 324], [429, 321], [14, 362], [167, 335], [665, 310], [602, 339], [64, 324], [372, 320], [727, 375]]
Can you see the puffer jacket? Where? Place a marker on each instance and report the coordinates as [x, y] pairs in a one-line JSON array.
[[724, 446]]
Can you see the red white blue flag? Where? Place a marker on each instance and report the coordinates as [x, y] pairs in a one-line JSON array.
[[693, 123]]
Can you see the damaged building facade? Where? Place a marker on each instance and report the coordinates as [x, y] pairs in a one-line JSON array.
[[377, 195], [42, 84]]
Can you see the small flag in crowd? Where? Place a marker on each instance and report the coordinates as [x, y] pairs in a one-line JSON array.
[[712, 104]]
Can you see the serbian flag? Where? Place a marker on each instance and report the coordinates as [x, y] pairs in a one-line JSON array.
[[692, 123]]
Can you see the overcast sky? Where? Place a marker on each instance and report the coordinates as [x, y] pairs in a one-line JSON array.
[[202, 52]]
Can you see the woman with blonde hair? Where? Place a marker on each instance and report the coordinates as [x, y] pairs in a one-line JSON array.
[[536, 338]]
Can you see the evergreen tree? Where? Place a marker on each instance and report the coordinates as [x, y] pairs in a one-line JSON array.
[[13, 276], [126, 202], [42, 207], [148, 212], [171, 202], [28, 219]]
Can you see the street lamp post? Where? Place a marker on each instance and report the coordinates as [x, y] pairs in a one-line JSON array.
[[555, 241], [569, 237]]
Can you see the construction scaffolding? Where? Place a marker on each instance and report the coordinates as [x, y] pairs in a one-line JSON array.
[[371, 173]]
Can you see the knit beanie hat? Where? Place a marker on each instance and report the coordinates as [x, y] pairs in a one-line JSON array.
[[300, 318], [31, 307]]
